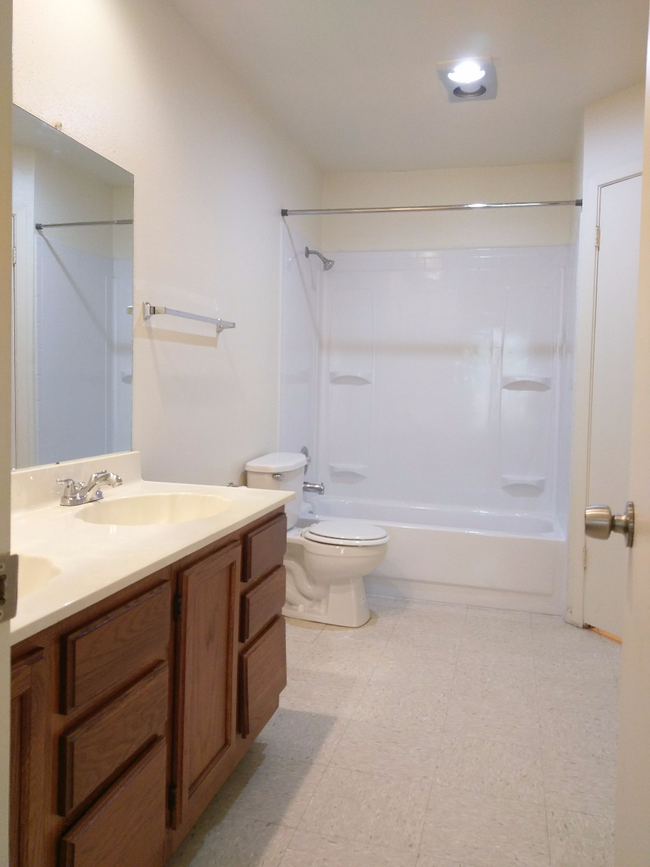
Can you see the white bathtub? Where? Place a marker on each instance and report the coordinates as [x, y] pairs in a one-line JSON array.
[[496, 559]]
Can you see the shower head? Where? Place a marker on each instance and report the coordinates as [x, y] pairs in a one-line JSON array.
[[327, 263]]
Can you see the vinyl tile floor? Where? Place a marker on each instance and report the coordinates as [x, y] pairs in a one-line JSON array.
[[434, 736]]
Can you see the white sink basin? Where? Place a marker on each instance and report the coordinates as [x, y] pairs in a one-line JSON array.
[[154, 509], [34, 573]]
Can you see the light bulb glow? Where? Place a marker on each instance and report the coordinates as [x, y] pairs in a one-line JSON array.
[[466, 72]]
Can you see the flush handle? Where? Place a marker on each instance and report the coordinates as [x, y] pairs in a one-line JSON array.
[[600, 523]]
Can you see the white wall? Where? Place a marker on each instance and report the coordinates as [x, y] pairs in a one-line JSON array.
[[415, 231], [136, 83], [612, 148]]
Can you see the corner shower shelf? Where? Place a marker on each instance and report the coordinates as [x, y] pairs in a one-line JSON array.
[[354, 472], [526, 383], [524, 485], [342, 378]]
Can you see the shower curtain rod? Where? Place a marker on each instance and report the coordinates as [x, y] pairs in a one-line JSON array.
[[322, 212], [40, 226]]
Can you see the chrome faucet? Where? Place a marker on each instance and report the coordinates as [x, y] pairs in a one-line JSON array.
[[76, 493], [313, 487]]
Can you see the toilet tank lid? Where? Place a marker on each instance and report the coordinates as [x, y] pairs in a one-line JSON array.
[[277, 462]]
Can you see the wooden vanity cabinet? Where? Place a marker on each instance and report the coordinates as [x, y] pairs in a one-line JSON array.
[[127, 717]]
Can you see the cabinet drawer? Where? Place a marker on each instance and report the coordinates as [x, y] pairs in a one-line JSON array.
[[126, 827], [264, 549], [95, 749], [262, 677], [114, 647], [262, 604]]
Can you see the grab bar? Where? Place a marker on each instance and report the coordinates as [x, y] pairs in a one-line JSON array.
[[150, 310]]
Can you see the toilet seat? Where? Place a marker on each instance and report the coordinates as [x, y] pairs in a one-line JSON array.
[[350, 533]]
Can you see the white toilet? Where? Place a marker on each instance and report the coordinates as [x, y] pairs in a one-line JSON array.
[[325, 561]]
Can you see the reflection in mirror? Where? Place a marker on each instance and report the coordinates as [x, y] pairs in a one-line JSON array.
[[73, 290]]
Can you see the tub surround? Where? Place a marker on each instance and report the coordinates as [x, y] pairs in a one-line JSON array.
[[94, 561], [442, 378]]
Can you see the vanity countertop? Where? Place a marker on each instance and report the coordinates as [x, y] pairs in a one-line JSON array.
[[96, 560]]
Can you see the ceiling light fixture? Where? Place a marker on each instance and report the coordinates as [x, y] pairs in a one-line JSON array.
[[468, 79], [466, 72]]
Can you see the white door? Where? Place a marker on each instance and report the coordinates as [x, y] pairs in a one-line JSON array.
[[633, 795], [610, 428], [5, 398]]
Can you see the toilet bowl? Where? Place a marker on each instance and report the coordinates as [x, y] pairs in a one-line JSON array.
[[326, 561]]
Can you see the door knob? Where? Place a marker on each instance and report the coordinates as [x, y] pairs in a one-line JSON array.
[[599, 523]]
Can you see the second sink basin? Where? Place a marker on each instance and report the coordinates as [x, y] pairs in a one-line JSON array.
[[34, 573], [154, 509]]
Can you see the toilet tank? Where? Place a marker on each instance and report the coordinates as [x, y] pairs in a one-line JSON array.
[[280, 471]]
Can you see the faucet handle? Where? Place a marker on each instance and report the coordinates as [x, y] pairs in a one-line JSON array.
[[71, 487], [70, 495]]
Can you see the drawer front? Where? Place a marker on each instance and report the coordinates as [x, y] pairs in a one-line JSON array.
[[126, 827], [264, 549], [115, 647], [95, 749], [262, 604], [262, 677]]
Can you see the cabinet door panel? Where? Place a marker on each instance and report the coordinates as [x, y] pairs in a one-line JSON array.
[[126, 827], [96, 748], [113, 648], [206, 722], [263, 676], [27, 799]]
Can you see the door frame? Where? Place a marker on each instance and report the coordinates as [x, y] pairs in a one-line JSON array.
[[5, 401], [586, 290]]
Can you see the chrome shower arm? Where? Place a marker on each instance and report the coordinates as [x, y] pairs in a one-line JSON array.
[[327, 263]]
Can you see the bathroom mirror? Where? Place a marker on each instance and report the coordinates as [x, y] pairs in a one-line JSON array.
[[72, 298]]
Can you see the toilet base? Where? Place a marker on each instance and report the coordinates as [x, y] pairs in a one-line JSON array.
[[342, 605]]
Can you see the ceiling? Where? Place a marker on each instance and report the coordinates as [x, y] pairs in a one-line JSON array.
[[355, 80]]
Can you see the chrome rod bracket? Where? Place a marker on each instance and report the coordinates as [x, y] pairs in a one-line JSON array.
[[149, 310]]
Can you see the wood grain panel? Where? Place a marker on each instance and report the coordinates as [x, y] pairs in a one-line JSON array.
[[264, 549], [206, 668], [126, 827], [92, 751], [28, 726], [263, 676], [262, 604], [115, 647]]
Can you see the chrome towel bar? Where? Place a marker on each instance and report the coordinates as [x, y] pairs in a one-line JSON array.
[[150, 310]]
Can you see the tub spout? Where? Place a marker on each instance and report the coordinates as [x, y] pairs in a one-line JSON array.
[[313, 487]]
